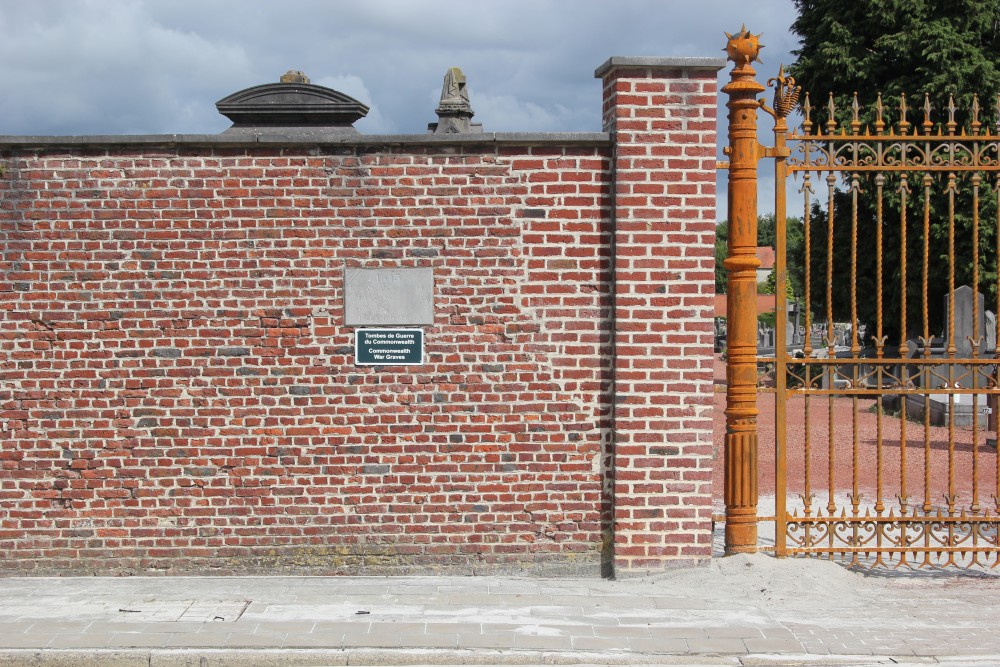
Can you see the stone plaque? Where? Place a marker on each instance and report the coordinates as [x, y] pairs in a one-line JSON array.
[[389, 347], [388, 297]]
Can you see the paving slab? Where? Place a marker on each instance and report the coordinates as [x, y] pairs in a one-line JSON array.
[[742, 610]]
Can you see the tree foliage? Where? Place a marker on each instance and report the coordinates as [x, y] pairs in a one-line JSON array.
[[917, 47], [939, 47], [721, 249], [766, 236]]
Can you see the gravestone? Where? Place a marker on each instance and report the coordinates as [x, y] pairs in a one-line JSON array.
[[965, 307], [765, 341], [961, 409], [966, 302]]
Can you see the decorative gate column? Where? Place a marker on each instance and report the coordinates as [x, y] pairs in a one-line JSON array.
[[741, 302]]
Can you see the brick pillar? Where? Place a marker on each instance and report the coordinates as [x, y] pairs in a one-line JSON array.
[[662, 115]]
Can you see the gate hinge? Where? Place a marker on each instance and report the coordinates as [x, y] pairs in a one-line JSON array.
[[722, 164], [775, 151]]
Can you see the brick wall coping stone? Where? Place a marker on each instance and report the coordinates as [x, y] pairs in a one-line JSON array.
[[673, 63], [298, 138]]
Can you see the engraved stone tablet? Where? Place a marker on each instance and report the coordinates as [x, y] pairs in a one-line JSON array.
[[388, 296]]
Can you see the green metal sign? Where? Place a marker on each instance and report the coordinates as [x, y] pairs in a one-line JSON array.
[[389, 347]]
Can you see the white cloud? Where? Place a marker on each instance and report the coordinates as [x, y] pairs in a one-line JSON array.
[[373, 123], [507, 113], [150, 66], [123, 66], [107, 67]]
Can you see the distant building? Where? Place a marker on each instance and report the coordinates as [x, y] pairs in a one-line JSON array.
[[765, 254], [765, 304]]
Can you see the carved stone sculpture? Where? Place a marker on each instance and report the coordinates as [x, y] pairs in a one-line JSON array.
[[454, 110]]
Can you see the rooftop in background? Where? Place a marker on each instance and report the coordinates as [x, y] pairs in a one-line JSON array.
[[765, 304], [765, 254]]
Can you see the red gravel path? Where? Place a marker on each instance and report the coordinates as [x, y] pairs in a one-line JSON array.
[[845, 411]]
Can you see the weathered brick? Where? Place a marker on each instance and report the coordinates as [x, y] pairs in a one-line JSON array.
[[203, 386]]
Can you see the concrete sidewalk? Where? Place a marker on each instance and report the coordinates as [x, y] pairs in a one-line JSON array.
[[744, 610]]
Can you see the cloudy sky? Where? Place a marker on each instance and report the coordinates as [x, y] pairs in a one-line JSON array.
[[158, 66]]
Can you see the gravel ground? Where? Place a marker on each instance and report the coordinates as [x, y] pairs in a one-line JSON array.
[[927, 459]]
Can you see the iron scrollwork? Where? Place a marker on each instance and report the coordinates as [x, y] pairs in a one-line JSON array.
[[916, 539]]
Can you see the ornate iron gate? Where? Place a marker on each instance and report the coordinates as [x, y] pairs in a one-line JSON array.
[[888, 394]]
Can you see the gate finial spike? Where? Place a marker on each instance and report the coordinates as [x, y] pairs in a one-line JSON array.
[[806, 123], [927, 114], [831, 123], [879, 121], [855, 117], [975, 114], [951, 115], [903, 123]]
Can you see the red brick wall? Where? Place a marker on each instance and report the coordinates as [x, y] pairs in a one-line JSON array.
[[179, 391], [663, 116]]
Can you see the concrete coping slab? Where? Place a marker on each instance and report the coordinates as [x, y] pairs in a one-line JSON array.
[[275, 137], [660, 63]]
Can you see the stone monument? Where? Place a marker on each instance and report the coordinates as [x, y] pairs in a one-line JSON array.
[[960, 408], [292, 107], [454, 110], [965, 304]]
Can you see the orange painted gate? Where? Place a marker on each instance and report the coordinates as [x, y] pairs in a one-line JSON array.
[[885, 383]]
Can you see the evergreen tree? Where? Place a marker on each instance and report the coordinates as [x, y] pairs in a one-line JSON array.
[[940, 48], [898, 46]]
